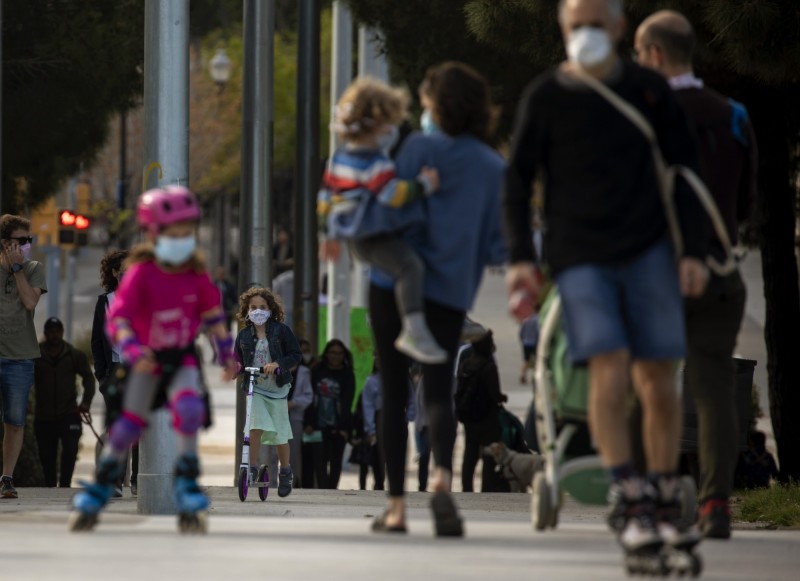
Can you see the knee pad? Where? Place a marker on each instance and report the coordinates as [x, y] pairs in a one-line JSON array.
[[125, 431], [188, 412]]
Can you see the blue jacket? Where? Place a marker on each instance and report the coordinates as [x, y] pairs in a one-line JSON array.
[[283, 349], [462, 233]]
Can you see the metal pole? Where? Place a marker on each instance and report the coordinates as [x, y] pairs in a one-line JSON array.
[[306, 266], [372, 63], [166, 113], [53, 274], [123, 168], [255, 202], [341, 75], [71, 203]]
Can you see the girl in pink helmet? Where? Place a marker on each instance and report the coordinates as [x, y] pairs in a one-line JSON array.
[[160, 306]]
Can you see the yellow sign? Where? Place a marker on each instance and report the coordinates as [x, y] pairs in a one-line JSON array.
[[44, 224]]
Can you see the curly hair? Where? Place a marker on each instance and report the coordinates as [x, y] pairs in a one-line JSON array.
[[273, 303], [461, 99], [145, 252], [366, 105], [111, 262], [10, 222]]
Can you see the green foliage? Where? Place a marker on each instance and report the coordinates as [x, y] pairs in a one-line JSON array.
[[778, 505], [67, 67], [221, 113], [422, 33]]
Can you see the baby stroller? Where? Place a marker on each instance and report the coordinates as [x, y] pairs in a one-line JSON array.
[[561, 405]]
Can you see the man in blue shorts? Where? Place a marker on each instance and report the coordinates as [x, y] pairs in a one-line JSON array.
[[23, 284], [608, 246]]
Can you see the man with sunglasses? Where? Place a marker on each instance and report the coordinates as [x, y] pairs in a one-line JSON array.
[[23, 284]]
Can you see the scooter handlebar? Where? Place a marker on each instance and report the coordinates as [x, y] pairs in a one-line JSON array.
[[254, 370]]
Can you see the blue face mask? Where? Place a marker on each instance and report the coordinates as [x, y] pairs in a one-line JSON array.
[[174, 251], [387, 140], [427, 123]]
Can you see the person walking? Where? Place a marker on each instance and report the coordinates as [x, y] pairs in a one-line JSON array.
[[227, 290], [334, 385], [23, 285], [57, 419], [608, 247], [478, 399], [265, 342], [728, 155], [371, 402], [458, 239], [107, 358], [165, 298]]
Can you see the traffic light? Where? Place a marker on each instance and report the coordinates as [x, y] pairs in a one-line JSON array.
[[66, 227], [82, 224]]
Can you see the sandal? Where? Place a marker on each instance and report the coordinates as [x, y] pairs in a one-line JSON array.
[[446, 521], [379, 525]]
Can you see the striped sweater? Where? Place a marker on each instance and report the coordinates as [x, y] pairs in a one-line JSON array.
[[354, 183]]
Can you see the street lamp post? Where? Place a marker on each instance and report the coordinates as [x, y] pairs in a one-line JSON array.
[[220, 68]]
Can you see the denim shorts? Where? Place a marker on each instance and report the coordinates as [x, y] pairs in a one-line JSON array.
[[16, 380], [634, 305]]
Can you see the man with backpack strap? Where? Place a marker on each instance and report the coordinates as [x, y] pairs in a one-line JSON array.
[[728, 156], [607, 242]]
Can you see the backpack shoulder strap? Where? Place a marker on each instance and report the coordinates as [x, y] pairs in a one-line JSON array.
[[666, 178]]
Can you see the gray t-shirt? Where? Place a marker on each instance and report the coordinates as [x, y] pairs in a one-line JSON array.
[[17, 333]]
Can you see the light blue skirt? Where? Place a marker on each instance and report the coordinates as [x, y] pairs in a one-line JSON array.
[[272, 417]]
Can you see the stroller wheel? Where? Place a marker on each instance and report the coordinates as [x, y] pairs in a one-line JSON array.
[[541, 511]]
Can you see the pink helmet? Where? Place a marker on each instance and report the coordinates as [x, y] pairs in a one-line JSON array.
[[161, 207]]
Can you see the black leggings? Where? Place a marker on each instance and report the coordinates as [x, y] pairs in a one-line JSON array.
[[328, 459], [445, 325], [67, 430]]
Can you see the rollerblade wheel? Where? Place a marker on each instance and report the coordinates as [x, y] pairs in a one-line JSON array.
[[193, 523], [82, 522], [263, 483], [243, 476]]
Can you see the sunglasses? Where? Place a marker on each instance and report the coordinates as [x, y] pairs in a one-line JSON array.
[[21, 239]]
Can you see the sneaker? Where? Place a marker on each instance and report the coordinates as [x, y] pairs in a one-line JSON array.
[[253, 475], [421, 347], [7, 489], [715, 519], [285, 479], [134, 489], [117, 492]]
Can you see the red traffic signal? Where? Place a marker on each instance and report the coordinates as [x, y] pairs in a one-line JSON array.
[[67, 218], [81, 222]]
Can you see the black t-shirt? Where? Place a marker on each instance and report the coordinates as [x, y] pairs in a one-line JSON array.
[[602, 202]]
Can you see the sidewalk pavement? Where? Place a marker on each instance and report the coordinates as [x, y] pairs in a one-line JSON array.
[[315, 533], [325, 535]]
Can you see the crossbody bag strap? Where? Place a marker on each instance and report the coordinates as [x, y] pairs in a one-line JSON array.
[[666, 179]]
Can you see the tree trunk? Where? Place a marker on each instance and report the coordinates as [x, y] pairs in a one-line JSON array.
[[769, 111]]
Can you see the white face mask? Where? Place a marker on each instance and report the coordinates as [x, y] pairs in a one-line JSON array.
[[588, 46], [174, 251], [387, 140], [307, 357], [259, 316]]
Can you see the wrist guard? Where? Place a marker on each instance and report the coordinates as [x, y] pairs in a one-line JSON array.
[[224, 349], [131, 350]]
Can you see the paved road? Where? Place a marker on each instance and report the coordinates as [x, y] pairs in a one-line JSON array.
[[324, 535]]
